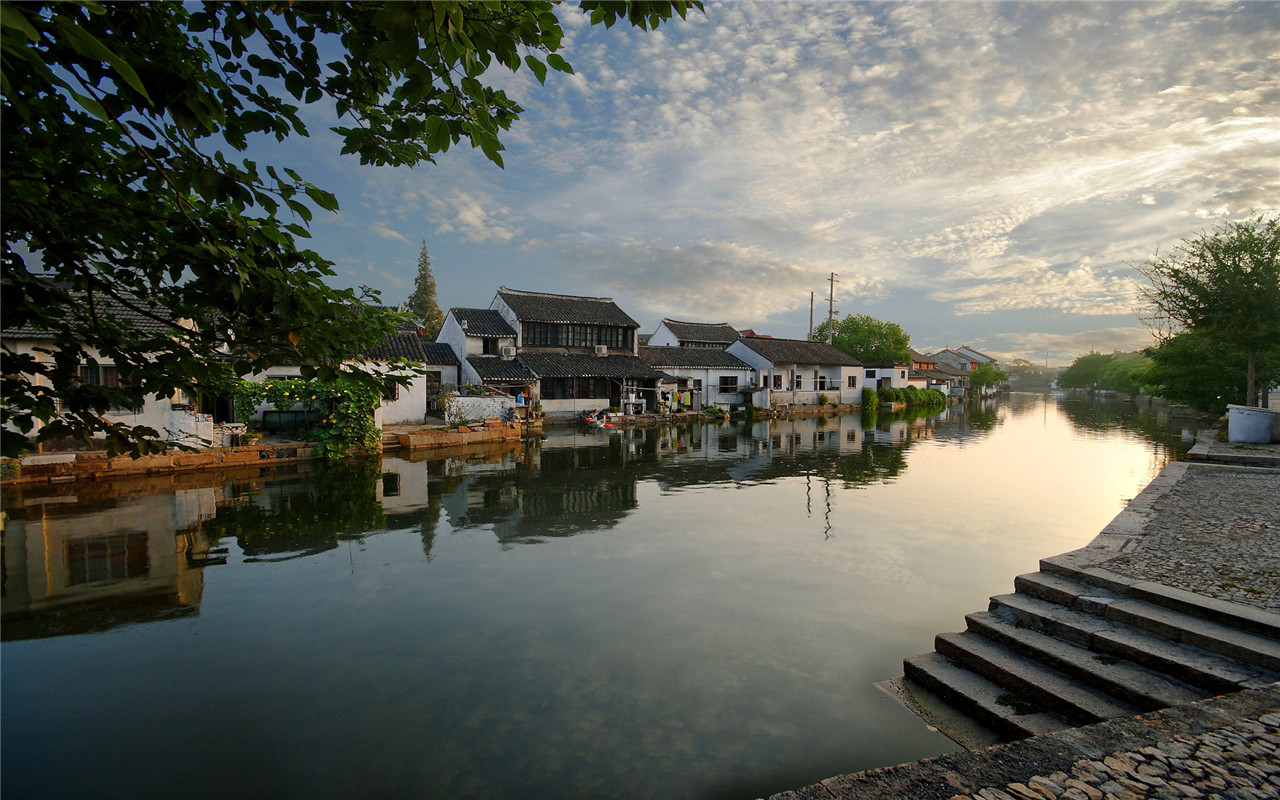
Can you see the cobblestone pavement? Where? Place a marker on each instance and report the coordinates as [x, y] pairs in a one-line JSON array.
[[1216, 533], [1238, 761]]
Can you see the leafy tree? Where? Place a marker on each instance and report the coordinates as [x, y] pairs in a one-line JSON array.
[[423, 300], [986, 375], [123, 185], [1224, 284], [1195, 369], [867, 339], [1086, 371]]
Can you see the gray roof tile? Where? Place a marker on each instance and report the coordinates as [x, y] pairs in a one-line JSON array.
[[483, 322], [799, 351], [537, 307], [575, 365], [720, 332], [493, 368], [690, 357]]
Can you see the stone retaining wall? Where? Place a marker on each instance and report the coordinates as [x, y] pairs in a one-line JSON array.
[[464, 435], [93, 465]]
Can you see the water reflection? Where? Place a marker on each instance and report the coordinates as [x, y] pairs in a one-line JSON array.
[[67, 560], [677, 612]]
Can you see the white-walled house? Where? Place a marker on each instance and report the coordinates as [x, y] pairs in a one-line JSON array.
[[478, 333], [674, 333], [884, 374], [175, 417], [713, 377], [401, 404], [582, 351], [797, 371]]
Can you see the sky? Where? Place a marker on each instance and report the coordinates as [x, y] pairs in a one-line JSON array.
[[981, 174]]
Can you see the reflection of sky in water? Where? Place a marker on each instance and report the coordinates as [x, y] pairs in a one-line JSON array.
[[643, 615]]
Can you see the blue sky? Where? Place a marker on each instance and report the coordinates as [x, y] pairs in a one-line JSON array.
[[978, 173]]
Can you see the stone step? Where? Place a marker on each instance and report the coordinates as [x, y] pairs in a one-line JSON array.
[[979, 698], [1047, 688], [1235, 615], [1215, 637], [1140, 687], [1217, 633], [1188, 664]]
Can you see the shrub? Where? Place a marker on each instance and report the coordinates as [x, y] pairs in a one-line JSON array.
[[822, 399], [910, 395], [869, 397], [888, 394]]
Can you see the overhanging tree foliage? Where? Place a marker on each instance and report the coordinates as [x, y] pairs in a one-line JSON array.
[[123, 185], [1225, 286], [867, 339]]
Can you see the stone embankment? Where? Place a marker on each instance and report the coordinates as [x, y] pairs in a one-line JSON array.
[[1105, 664]]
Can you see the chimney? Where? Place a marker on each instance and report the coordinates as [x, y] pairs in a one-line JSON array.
[[463, 323]]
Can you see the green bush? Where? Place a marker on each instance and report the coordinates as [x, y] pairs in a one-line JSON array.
[[888, 394], [823, 399], [870, 399], [911, 395], [932, 397]]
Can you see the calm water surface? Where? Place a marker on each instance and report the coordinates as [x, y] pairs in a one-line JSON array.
[[676, 613]]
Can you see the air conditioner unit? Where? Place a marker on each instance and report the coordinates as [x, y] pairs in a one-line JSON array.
[[508, 352], [602, 349]]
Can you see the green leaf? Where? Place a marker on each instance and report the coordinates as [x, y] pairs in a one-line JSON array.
[[320, 197], [11, 17], [83, 43], [539, 69], [559, 64]]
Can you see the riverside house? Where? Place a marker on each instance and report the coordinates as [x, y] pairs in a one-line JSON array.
[[674, 333], [176, 417], [703, 376], [798, 372]]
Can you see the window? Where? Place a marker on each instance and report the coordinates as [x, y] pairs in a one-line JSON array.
[[697, 384], [822, 381], [871, 374], [853, 381], [100, 375], [799, 383], [490, 347], [390, 390], [777, 382], [391, 484], [113, 557], [902, 373], [728, 384]]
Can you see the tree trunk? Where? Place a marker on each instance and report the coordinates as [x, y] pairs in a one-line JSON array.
[[1253, 381]]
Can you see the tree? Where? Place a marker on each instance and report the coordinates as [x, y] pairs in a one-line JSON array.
[[867, 339], [1225, 285], [1086, 371], [1194, 369], [123, 186], [986, 375], [423, 300]]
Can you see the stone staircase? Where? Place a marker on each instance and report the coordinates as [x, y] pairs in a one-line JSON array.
[[1076, 646]]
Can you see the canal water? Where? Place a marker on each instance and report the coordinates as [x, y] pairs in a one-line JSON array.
[[683, 612]]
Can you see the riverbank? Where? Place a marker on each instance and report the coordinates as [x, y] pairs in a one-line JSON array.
[[1211, 528]]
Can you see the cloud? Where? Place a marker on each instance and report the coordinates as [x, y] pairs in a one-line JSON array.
[[387, 233], [1063, 348]]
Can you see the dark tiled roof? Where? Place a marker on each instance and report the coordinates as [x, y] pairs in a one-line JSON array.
[[536, 307], [399, 346], [438, 353], [950, 371], [483, 322], [694, 357], [493, 368], [976, 353], [885, 364], [140, 313], [799, 351], [702, 331], [574, 365]]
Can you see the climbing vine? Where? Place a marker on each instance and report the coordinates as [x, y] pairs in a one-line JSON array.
[[346, 426]]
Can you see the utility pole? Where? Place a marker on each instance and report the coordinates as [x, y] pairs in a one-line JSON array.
[[831, 310], [811, 316]]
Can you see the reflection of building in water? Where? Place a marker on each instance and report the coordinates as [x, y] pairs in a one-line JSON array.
[[62, 565]]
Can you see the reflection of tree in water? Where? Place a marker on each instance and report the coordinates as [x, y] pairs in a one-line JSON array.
[[282, 519], [1104, 415], [872, 465]]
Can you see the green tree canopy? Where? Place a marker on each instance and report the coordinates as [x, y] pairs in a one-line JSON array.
[[1086, 371], [1195, 369], [136, 234], [986, 375], [1225, 285], [867, 339], [423, 300]]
